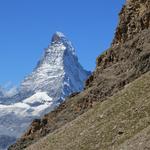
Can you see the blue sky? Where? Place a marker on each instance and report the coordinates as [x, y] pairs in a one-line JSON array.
[[26, 27]]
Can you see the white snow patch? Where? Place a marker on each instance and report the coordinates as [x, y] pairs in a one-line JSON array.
[[41, 97]]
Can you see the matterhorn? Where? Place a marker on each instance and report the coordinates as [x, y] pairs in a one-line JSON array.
[[57, 75]]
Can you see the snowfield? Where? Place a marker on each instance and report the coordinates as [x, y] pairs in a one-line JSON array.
[[15, 118]]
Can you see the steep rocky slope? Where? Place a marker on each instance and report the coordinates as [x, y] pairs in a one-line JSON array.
[[115, 124], [126, 60]]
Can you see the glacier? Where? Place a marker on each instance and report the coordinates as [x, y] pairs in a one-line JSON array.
[[57, 75]]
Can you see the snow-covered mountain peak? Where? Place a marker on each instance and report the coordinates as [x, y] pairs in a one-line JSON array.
[[60, 67], [57, 36], [8, 92], [60, 41], [57, 75]]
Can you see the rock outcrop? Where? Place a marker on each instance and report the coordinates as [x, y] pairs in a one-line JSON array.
[[134, 18], [127, 59]]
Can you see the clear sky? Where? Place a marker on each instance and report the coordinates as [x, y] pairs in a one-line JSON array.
[[26, 27]]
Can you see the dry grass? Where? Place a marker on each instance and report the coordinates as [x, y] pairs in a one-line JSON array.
[[108, 124]]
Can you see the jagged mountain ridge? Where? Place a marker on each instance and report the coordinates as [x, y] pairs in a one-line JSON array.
[[57, 75], [122, 63], [60, 67]]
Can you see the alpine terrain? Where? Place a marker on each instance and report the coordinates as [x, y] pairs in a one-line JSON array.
[[57, 75], [113, 110]]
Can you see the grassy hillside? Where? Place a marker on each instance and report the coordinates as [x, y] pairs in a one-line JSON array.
[[116, 123]]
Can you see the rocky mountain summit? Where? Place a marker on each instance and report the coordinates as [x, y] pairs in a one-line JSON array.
[[126, 60], [60, 67], [57, 75]]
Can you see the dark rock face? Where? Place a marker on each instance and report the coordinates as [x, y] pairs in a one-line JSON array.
[[134, 18], [120, 65], [126, 60]]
